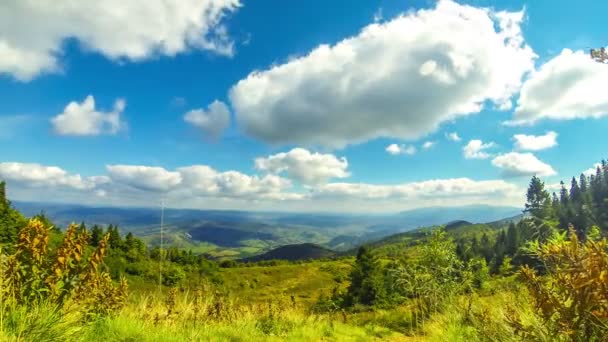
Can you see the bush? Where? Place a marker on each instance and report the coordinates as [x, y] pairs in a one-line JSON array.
[[572, 298]]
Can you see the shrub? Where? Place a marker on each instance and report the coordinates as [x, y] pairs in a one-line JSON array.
[[572, 298], [34, 274]]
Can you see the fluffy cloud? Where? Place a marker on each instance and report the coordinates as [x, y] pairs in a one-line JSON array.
[[205, 181], [475, 149], [304, 166], [147, 178], [200, 186], [401, 78], [36, 175], [131, 30], [395, 149], [522, 164], [200, 181], [593, 170], [569, 86], [456, 187], [453, 136], [428, 144], [535, 142], [82, 119], [212, 121]]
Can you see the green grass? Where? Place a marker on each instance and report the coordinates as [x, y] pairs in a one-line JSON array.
[[305, 281]]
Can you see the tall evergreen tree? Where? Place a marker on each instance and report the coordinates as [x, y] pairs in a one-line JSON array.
[[538, 200], [513, 239], [115, 240], [366, 279], [96, 235], [10, 220]]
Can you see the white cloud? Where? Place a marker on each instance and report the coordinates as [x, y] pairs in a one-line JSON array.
[[201, 181], [428, 144], [593, 170], [213, 121], [205, 181], [535, 142], [395, 149], [453, 136], [401, 78], [456, 187], [147, 178], [82, 119], [475, 149], [200, 186], [569, 86], [516, 164], [36, 175], [32, 33], [304, 166]]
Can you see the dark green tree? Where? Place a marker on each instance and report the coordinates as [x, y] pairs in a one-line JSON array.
[[96, 235], [115, 241], [10, 220], [366, 280], [538, 200]]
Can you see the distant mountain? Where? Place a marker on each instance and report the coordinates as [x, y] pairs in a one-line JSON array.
[[456, 224], [303, 251], [242, 233], [472, 213]]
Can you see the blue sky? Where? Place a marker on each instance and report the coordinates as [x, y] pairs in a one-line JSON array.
[[310, 97]]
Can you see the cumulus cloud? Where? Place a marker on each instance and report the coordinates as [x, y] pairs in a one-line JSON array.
[[456, 187], [475, 149], [36, 175], [81, 119], [569, 86], [535, 142], [401, 78], [593, 170], [201, 186], [120, 30], [516, 164], [147, 178], [203, 180], [304, 166], [453, 136], [212, 121], [395, 149], [428, 144]]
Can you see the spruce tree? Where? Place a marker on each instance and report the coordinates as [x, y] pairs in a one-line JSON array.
[[96, 235], [366, 281], [10, 220], [538, 200]]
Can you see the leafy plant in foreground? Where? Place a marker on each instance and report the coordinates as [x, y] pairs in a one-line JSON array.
[[572, 298]]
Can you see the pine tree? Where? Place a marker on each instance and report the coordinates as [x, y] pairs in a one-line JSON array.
[[513, 239], [115, 240], [96, 235], [366, 281], [575, 192], [538, 202], [4, 203], [10, 220]]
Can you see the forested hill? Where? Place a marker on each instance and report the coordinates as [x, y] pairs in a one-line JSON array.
[[304, 251]]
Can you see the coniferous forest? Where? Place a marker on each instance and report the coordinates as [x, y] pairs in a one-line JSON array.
[[542, 276]]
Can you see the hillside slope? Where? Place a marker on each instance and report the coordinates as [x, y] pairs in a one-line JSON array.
[[304, 251]]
